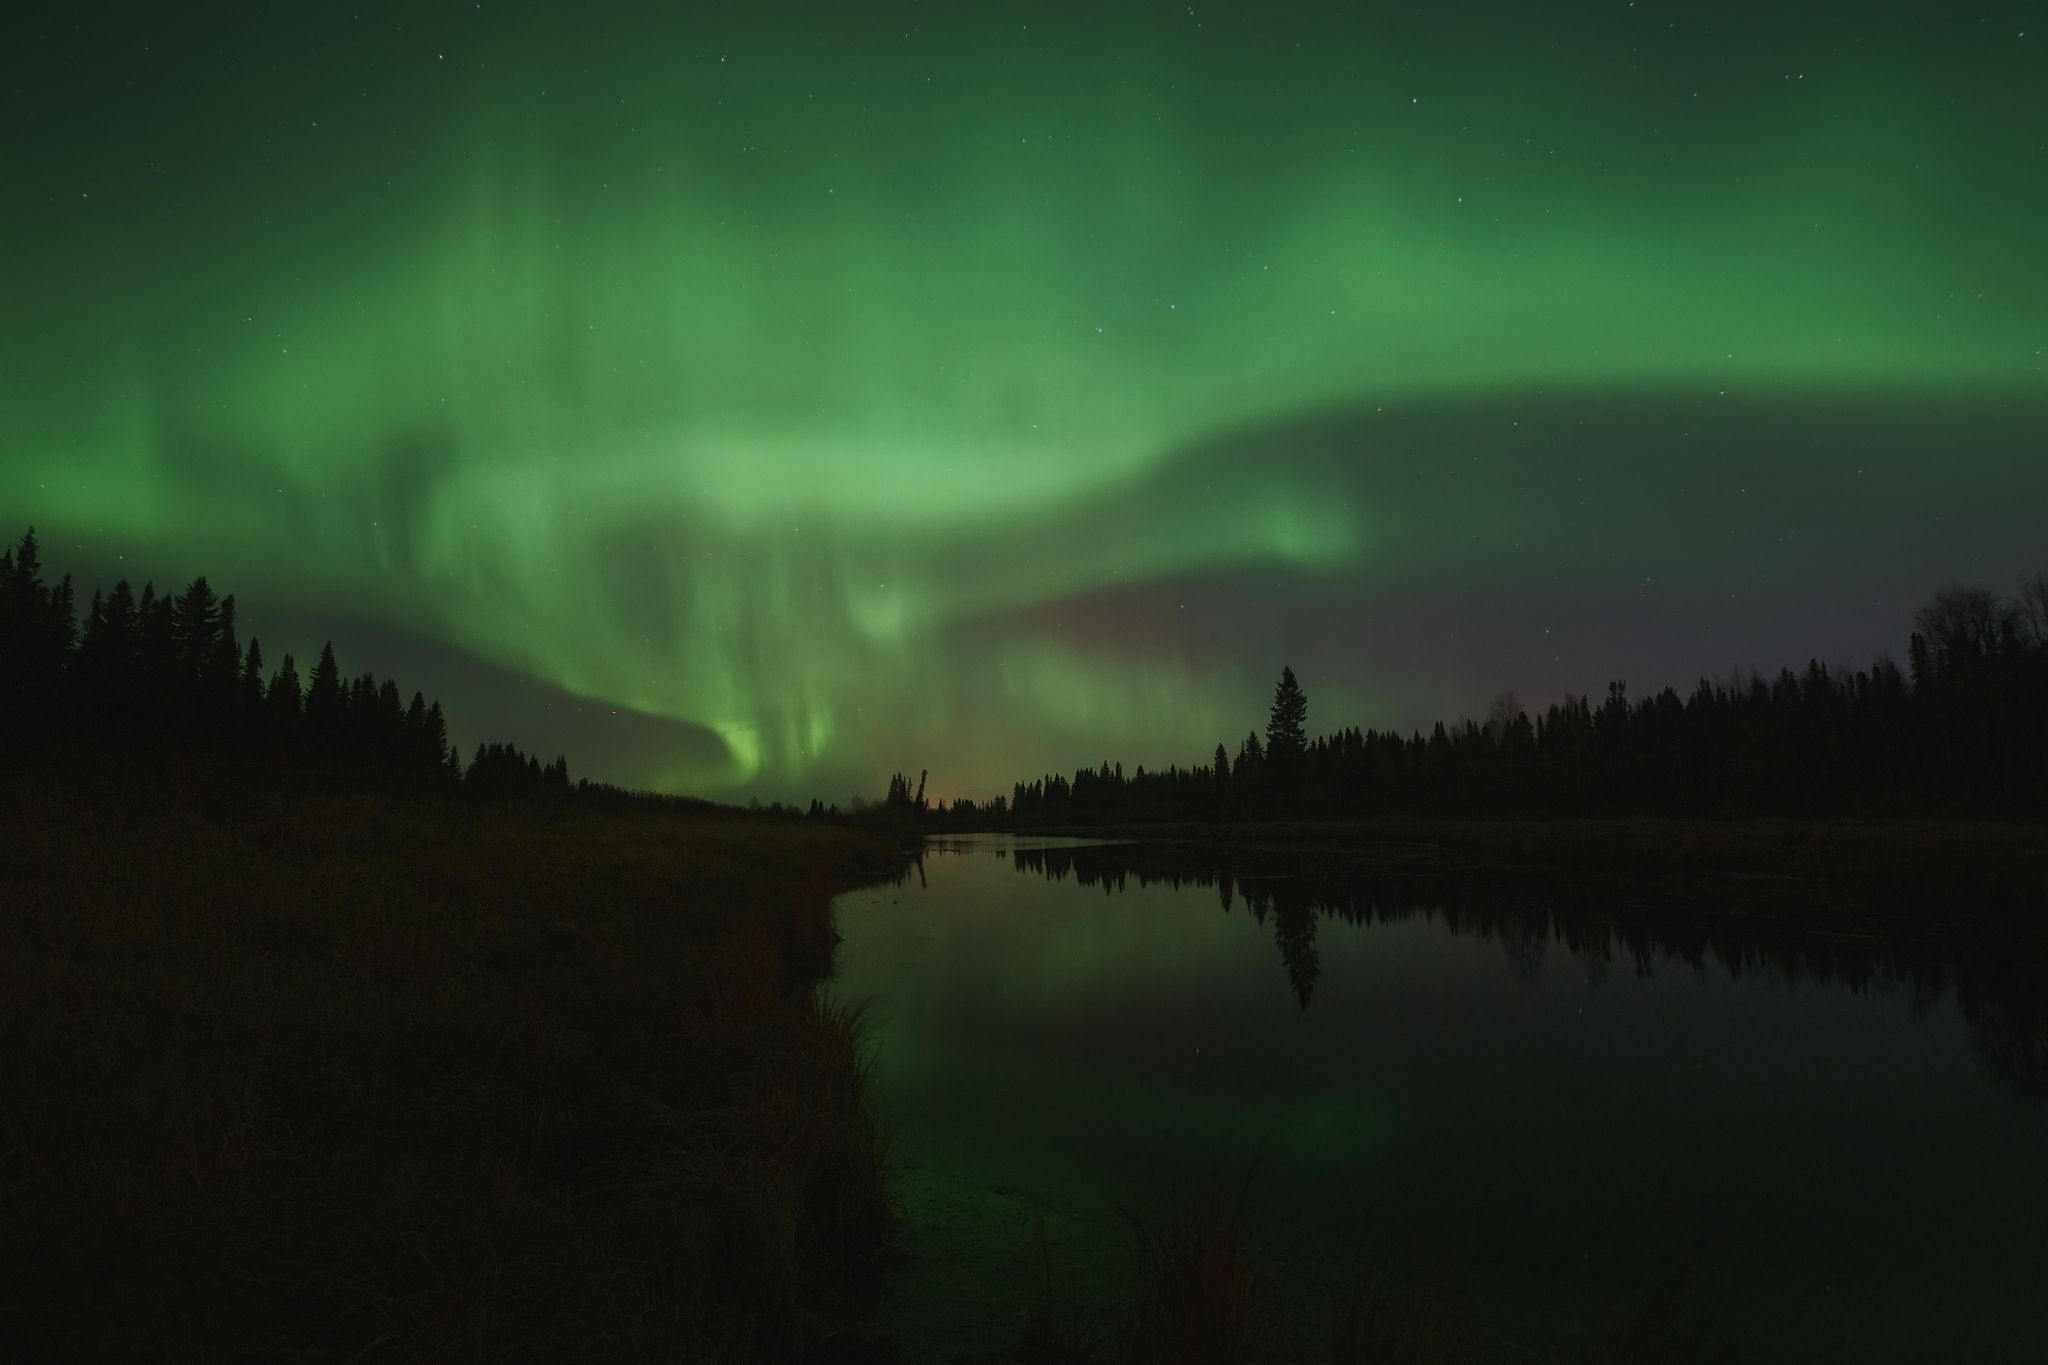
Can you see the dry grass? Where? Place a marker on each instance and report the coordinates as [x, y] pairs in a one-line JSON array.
[[1202, 1297], [1202, 1294], [1384, 1322], [368, 1079]]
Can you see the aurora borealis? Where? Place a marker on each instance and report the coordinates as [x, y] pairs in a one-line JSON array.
[[753, 399]]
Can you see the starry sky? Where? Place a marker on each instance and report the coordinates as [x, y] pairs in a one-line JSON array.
[[752, 399]]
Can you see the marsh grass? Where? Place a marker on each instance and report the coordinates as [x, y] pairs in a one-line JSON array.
[[1198, 1295], [1202, 1293], [1383, 1321], [1059, 1330], [358, 1078]]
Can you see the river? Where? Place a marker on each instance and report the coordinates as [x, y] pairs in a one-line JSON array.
[[1550, 1114]]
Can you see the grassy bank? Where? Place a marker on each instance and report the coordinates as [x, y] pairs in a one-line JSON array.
[[341, 1079], [1929, 863]]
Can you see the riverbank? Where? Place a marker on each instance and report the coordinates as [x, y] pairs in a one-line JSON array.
[[339, 1078], [1931, 864]]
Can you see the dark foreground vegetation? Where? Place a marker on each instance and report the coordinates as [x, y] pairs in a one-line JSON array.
[[1201, 1292], [376, 1077], [323, 1046]]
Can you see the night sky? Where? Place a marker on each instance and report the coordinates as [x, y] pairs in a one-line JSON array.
[[753, 399]]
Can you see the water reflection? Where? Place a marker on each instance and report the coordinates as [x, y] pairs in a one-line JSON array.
[[1998, 982], [1548, 1101]]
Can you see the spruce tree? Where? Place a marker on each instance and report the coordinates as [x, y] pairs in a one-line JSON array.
[[325, 704], [436, 740], [1287, 730], [249, 694], [220, 674], [195, 628], [282, 702]]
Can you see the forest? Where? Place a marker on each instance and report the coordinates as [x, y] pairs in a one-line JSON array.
[[1962, 730], [165, 675], [322, 1044]]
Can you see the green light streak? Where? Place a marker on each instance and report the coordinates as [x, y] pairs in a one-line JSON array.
[[726, 390]]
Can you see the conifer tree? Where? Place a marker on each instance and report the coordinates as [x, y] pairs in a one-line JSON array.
[[282, 702], [195, 628], [220, 675], [436, 739], [249, 692], [1287, 730], [325, 706]]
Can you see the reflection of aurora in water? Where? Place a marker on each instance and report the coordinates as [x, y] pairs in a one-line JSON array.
[[1998, 984], [1012, 388], [1547, 1103]]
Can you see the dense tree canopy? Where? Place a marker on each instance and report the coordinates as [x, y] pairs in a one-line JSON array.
[[166, 675], [1964, 731]]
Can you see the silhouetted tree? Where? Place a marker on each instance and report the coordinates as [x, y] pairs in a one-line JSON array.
[[1287, 729], [1963, 624], [168, 677], [195, 629], [282, 702], [1286, 776], [1249, 768], [2030, 604], [38, 626], [1964, 729], [249, 699], [325, 713]]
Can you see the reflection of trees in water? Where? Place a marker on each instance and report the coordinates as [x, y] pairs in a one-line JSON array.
[[1295, 928], [1999, 984], [2012, 1037], [1525, 951], [1293, 914]]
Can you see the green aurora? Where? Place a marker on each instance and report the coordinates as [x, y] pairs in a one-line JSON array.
[[981, 387]]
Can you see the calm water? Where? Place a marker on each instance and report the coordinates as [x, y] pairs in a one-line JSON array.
[[1550, 1112]]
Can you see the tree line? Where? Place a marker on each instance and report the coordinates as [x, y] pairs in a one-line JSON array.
[[1962, 730], [167, 673]]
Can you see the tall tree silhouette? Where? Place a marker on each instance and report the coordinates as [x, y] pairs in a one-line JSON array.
[[195, 628], [1964, 730], [1287, 744], [165, 680], [1287, 729], [38, 626], [283, 702], [1964, 624], [249, 693], [325, 710]]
